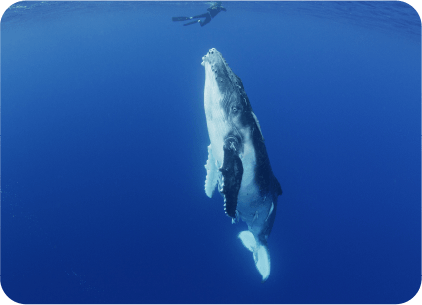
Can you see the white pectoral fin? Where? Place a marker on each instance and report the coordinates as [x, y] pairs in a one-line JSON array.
[[212, 174], [260, 253]]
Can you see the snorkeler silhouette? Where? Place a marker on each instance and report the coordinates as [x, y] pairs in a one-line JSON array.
[[212, 12]]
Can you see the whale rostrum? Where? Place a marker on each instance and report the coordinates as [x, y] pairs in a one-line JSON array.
[[238, 163]]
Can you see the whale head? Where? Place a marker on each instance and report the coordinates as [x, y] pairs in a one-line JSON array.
[[218, 72], [216, 67], [227, 107]]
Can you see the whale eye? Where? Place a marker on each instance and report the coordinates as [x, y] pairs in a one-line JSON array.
[[234, 109]]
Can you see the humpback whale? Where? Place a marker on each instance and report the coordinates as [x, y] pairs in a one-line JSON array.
[[238, 164]]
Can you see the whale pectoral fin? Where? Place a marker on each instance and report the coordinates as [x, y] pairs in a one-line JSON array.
[[232, 172], [212, 174], [260, 253]]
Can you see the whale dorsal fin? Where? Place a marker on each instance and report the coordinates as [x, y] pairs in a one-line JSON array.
[[257, 124], [212, 174]]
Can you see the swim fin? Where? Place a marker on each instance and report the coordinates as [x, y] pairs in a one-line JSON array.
[[192, 22], [180, 18]]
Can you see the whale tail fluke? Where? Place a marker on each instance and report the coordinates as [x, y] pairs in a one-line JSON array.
[[260, 252]]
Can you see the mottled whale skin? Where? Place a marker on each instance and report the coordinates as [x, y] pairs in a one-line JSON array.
[[238, 163]]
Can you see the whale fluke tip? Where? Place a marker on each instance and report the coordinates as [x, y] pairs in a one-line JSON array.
[[260, 253]]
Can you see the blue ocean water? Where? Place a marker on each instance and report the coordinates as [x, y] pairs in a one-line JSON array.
[[104, 144]]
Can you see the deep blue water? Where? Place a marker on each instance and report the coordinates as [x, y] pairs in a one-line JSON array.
[[104, 142]]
